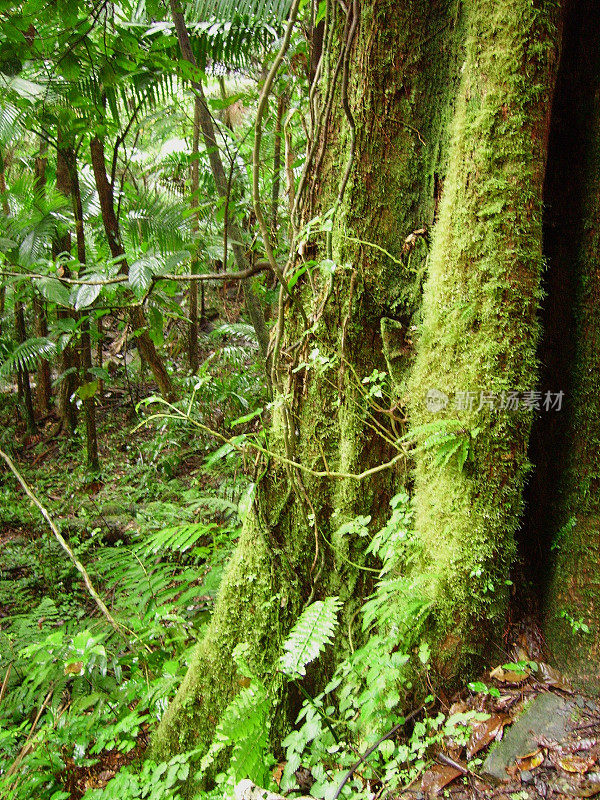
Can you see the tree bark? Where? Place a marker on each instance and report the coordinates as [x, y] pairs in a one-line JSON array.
[[572, 600], [24, 373], [67, 410], [6, 210], [281, 107], [323, 420], [89, 403], [43, 389], [145, 345], [40, 319], [193, 290]]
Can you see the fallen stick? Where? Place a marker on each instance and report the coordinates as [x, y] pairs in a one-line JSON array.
[[61, 540]]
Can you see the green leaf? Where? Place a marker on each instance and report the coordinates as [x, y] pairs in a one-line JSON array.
[[26, 355], [86, 294], [54, 291], [69, 67], [87, 390], [296, 276], [141, 273], [322, 12], [246, 417]]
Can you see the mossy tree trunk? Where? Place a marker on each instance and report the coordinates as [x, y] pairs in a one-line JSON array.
[[396, 73], [431, 100], [480, 329]]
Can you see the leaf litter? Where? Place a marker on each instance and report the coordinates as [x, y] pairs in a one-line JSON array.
[[551, 769]]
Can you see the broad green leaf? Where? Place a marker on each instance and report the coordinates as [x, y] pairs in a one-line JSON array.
[[86, 295], [87, 390], [54, 291]]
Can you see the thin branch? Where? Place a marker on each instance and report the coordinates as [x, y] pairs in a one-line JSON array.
[[78, 565], [260, 266], [355, 476], [372, 749]]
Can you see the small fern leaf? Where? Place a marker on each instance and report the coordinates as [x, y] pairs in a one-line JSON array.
[[308, 637]]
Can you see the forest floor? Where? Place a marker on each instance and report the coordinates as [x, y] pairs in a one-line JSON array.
[[540, 738], [535, 736]]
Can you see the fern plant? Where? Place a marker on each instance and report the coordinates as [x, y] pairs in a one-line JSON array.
[[447, 440], [245, 723]]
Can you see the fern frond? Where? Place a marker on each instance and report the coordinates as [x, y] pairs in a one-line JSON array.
[[179, 537], [308, 637], [26, 355], [244, 725], [239, 329], [214, 505]]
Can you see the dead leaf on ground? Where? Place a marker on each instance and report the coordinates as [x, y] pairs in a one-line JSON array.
[[528, 762], [278, 772], [552, 677], [576, 764], [574, 787], [438, 777], [509, 675], [482, 733]]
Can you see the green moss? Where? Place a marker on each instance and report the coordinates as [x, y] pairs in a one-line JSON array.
[[249, 609], [398, 92], [480, 330]]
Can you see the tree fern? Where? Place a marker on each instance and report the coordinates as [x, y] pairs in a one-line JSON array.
[[308, 637]]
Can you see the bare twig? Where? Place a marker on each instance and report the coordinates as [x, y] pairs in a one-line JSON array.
[[77, 564], [372, 749], [5, 682]]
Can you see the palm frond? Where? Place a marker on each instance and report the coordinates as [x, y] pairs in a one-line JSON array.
[[26, 355], [9, 123], [231, 43], [272, 10], [152, 217]]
